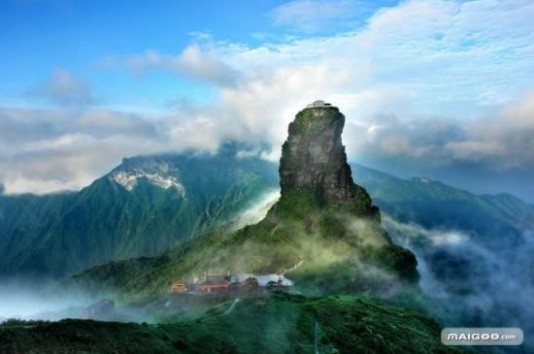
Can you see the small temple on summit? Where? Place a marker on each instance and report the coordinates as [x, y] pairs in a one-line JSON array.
[[318, 104]]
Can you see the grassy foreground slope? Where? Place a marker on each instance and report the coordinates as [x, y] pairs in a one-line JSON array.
[[278, 323]]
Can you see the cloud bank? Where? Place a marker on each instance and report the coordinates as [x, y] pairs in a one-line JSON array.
[[449, 91], [471, 284]]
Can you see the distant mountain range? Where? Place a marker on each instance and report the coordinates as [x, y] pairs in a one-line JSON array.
[[148, 203], [324, 231], [463, 258], [434, 204], [156, 232], [141, 208]]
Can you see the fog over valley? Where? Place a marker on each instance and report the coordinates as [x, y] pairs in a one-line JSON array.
[[281, 176]]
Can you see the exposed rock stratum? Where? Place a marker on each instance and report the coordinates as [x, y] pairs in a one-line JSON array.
[[314, 159]]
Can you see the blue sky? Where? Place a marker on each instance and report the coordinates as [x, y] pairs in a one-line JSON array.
[[438, 88], [40, 36]]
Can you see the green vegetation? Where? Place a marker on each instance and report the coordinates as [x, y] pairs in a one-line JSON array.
[[325, 250], [393, 258], [296, 205], [278, 323], [52, 234], [335, 253], [61, 234], [436, 205], [308, 113], [363, 198], [304, 122], [318, 243]]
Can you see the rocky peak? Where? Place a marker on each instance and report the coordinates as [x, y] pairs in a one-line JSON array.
[[314, 159], [156, 170]]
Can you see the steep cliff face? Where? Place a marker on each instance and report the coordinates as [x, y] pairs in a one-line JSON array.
[[321, 203], [323, 232], [314, 159]]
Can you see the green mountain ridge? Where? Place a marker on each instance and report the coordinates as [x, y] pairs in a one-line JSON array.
[[296, 233], [324, 233], [31, 227], [61, 234], [323, 223], [434, 204]]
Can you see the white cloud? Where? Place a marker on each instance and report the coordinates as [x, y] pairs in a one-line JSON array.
[[411, 233], [50, 150], [193, 62], [500, 141], [414, 84], [66, 90], [474, 150], [426, 83]]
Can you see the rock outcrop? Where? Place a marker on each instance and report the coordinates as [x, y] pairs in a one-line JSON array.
[[314, 159], [315, 232]]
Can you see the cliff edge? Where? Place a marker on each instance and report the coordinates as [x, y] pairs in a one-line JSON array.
[[314, 159]]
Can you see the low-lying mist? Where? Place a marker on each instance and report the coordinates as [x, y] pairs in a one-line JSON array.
[[320, 250], [257, 210], [29, 300], [465, 282], [469, 284], [35, 299]]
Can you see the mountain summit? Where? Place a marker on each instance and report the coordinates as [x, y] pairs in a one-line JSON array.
[[314, 159], [323, 232]]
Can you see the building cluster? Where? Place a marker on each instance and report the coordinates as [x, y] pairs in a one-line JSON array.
[[221, 284]]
